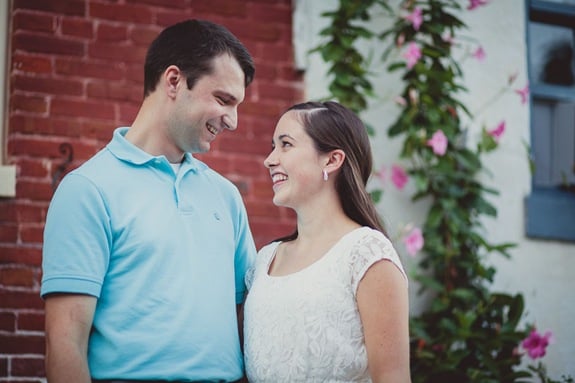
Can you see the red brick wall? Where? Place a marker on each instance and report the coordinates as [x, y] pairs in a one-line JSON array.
[[75, 74]]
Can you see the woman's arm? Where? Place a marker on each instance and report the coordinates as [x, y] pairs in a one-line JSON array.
[[382, 299]]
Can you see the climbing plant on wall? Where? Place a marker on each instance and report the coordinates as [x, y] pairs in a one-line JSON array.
[[467, 333]]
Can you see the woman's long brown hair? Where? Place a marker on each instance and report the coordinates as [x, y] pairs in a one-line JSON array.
[[332, 126]]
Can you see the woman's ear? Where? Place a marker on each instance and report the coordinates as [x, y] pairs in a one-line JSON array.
[[335, 160]]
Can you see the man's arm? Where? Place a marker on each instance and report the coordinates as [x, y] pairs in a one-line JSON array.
[[240, 313], [68, 322]]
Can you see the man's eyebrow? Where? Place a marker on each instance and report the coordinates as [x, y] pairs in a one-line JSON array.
[[226, 95]]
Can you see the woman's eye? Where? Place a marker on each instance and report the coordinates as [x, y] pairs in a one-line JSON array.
[[285, 144]]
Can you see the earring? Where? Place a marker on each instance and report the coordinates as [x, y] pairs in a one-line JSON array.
[[325, 176]]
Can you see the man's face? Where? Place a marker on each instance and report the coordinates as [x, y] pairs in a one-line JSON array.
[[211, 106]]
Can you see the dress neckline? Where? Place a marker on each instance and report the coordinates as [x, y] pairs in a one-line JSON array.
[[315, 263]]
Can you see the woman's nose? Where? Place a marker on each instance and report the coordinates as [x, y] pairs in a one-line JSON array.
[[270, 160]]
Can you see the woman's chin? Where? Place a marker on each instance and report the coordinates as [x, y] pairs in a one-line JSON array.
[[278, 201]]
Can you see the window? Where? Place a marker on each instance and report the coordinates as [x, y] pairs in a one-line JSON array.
[[551, 60], [7, 173]]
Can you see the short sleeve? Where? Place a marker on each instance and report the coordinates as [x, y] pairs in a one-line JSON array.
[[261, 263], [245, 252], [250, 277], [370, 249], [77, 239]]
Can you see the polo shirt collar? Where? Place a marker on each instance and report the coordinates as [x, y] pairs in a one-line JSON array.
[[126, 151]]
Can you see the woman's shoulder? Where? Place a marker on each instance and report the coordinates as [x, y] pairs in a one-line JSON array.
[[370, 247], [367, 234], [373, 241], [268, 248], [261, 262], [266, 252]]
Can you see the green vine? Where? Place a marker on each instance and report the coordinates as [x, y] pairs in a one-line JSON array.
[[467, 333], [350, 84]]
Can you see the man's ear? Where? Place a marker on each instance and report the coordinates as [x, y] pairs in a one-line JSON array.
[[172, 79]]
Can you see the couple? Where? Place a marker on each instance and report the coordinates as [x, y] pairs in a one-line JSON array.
[[148, 254]]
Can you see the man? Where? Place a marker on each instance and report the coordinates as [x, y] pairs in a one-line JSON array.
[[145, 247]]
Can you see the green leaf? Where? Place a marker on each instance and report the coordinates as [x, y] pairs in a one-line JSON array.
[[468, 161], [429, 282], [421, 182], [376, 195], [395, 66], [465, 294], [484, 207], [487, 143]]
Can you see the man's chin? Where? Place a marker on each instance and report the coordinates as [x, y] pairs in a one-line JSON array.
[[199, 149]]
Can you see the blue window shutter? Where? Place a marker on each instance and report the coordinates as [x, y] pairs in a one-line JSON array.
[[550, 208]]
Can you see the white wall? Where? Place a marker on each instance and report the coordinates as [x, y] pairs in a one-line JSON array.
[[543, 271]]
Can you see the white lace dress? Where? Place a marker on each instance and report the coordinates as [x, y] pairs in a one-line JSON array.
[[305, 326]]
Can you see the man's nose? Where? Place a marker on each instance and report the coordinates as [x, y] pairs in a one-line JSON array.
[[230, 120]]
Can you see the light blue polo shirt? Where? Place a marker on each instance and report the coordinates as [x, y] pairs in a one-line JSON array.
[[166, 256]]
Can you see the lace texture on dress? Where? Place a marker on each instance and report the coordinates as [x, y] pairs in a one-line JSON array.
[[305, 326]]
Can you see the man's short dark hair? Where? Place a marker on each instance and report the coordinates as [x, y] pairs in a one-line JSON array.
[[192, 45]]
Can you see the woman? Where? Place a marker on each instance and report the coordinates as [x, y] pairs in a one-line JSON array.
[[328, 303]]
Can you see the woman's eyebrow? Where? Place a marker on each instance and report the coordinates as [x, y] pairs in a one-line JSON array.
[[282, 136]]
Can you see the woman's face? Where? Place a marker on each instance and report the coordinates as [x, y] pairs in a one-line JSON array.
[[295, 165]]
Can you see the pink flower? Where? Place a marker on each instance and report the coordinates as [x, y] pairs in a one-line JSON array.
[[398, 176], [380, 174], [524, 93], [400, 40], [413, 241], [412, 55], [479, 54], [438, 143], [535, 344], [413, 96], [475, 4], [416, 18], [498, 131], [400, 101]]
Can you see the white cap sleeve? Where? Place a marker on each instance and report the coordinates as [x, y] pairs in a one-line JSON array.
[[372, 248], [261, 263]]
